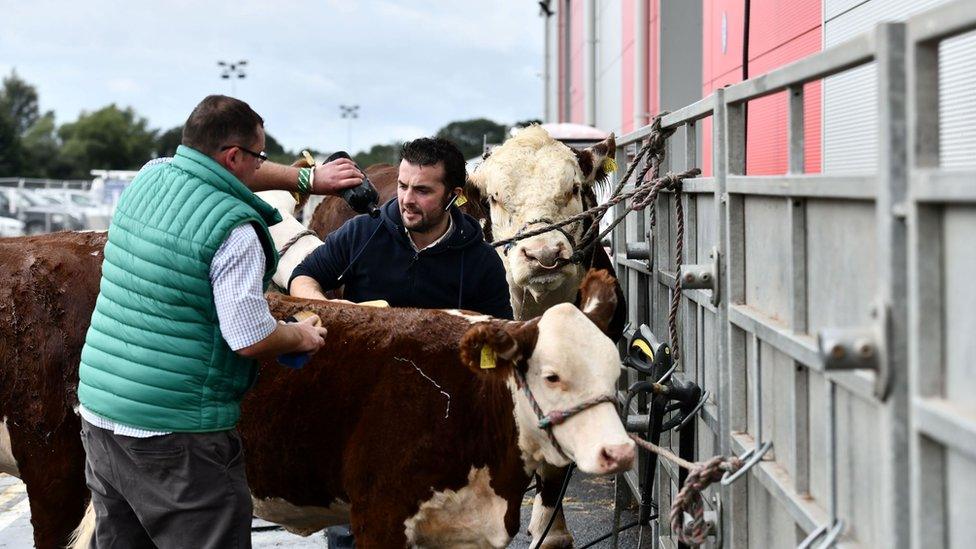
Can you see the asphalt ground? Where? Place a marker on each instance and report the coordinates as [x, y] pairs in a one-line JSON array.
[[588, 506]]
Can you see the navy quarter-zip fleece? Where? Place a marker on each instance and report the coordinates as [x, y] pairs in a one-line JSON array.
[[374, 259]]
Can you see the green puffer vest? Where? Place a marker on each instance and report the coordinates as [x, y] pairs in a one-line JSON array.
[[154, 356]]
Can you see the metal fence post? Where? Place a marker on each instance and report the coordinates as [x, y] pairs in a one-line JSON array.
[[893, 281]]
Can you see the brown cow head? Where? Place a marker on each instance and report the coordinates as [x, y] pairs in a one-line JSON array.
[[566, 360], [533, 177]]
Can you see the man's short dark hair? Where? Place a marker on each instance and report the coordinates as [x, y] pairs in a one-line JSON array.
[[428, 151], [218, 121]]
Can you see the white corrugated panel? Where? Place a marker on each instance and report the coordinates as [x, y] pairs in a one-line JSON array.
[[608, 66], [957, 101], [850, 99]]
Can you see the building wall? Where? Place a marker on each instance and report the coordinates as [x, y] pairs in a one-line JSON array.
[[609, 66], [721, 57], [628, 10], [781, 31], [850, 99], [577, 54]]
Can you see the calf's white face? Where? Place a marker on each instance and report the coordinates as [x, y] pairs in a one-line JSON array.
[[533, 177], [566, 360], [574, 362]]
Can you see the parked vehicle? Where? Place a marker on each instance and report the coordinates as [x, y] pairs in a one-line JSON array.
[[95, 214], [41, 214], [9, 224]]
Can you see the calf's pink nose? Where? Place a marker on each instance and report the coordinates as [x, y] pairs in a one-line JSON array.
[[545, 256], [615, 458]]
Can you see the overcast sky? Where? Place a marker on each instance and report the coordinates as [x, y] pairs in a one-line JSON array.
[[411, 65]]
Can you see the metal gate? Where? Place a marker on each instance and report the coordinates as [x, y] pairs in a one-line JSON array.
[[841, 336]]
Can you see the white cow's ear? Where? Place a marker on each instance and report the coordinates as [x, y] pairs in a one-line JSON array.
[[596, 162], [495, 347], [598, 298]]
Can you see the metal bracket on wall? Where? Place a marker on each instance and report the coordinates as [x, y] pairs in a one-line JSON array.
[[845, 349], [702, 276], [713, 522], [639, 250]]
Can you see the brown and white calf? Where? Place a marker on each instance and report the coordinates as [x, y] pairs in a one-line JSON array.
[[528, 181], [395, 425]]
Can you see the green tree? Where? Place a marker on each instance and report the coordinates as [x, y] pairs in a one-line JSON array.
[[11, 150], [276, 152], [18, 100], [42, 149], [379, 154], [526, 123], [109, 138], [168, 140], [471, 135]]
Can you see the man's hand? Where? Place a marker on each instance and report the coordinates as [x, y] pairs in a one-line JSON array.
[[336, 176], [312, 335], [307, 336]]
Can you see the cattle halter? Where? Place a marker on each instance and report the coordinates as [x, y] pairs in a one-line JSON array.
[[510, 243], [557, 417]]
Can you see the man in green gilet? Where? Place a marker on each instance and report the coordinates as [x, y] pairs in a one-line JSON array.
[[179, 321]]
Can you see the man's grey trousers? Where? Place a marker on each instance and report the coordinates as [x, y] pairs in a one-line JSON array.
[[168, 491]]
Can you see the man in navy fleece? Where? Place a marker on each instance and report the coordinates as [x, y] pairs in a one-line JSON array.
[[422, 251]]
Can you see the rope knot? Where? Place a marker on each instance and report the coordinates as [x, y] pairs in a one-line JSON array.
[[689, 499]]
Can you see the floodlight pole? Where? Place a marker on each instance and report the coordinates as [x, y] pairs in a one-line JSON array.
[[233, 72], [349, 112]]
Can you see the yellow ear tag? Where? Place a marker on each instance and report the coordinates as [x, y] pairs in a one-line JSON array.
[[461, 200], [309, 159], [487, 357], [609, 165]]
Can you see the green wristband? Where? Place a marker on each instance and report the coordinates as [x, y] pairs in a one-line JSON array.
[[304, 185]]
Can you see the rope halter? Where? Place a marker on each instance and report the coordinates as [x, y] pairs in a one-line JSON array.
[[512, 241], [557, 417]]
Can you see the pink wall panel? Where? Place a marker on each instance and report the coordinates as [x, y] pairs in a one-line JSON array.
[[715, 61], [576, 51], [719, 68], [627, 65], [776, 22], [781, 31], [653, 67], [561, 54], [766, 151]]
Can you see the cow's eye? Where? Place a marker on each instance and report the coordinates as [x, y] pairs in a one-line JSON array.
[[576, 189], [552, 378]]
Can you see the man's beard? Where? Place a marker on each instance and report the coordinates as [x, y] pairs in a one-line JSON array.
[[428, 221]]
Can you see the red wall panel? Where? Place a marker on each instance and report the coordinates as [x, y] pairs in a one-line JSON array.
[[653, 68], [577, 89], [627, 68], [722, 17], [781, 31], [766, 151], [774, 23], [627, 9]]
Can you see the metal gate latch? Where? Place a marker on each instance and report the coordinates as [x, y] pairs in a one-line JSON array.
[[844, 349], [702, 276]]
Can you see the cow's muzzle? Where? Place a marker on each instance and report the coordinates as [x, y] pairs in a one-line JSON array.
[[557, 260]]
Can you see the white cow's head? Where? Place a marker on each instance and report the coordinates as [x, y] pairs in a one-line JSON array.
[[566, 360], [529, 181]]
